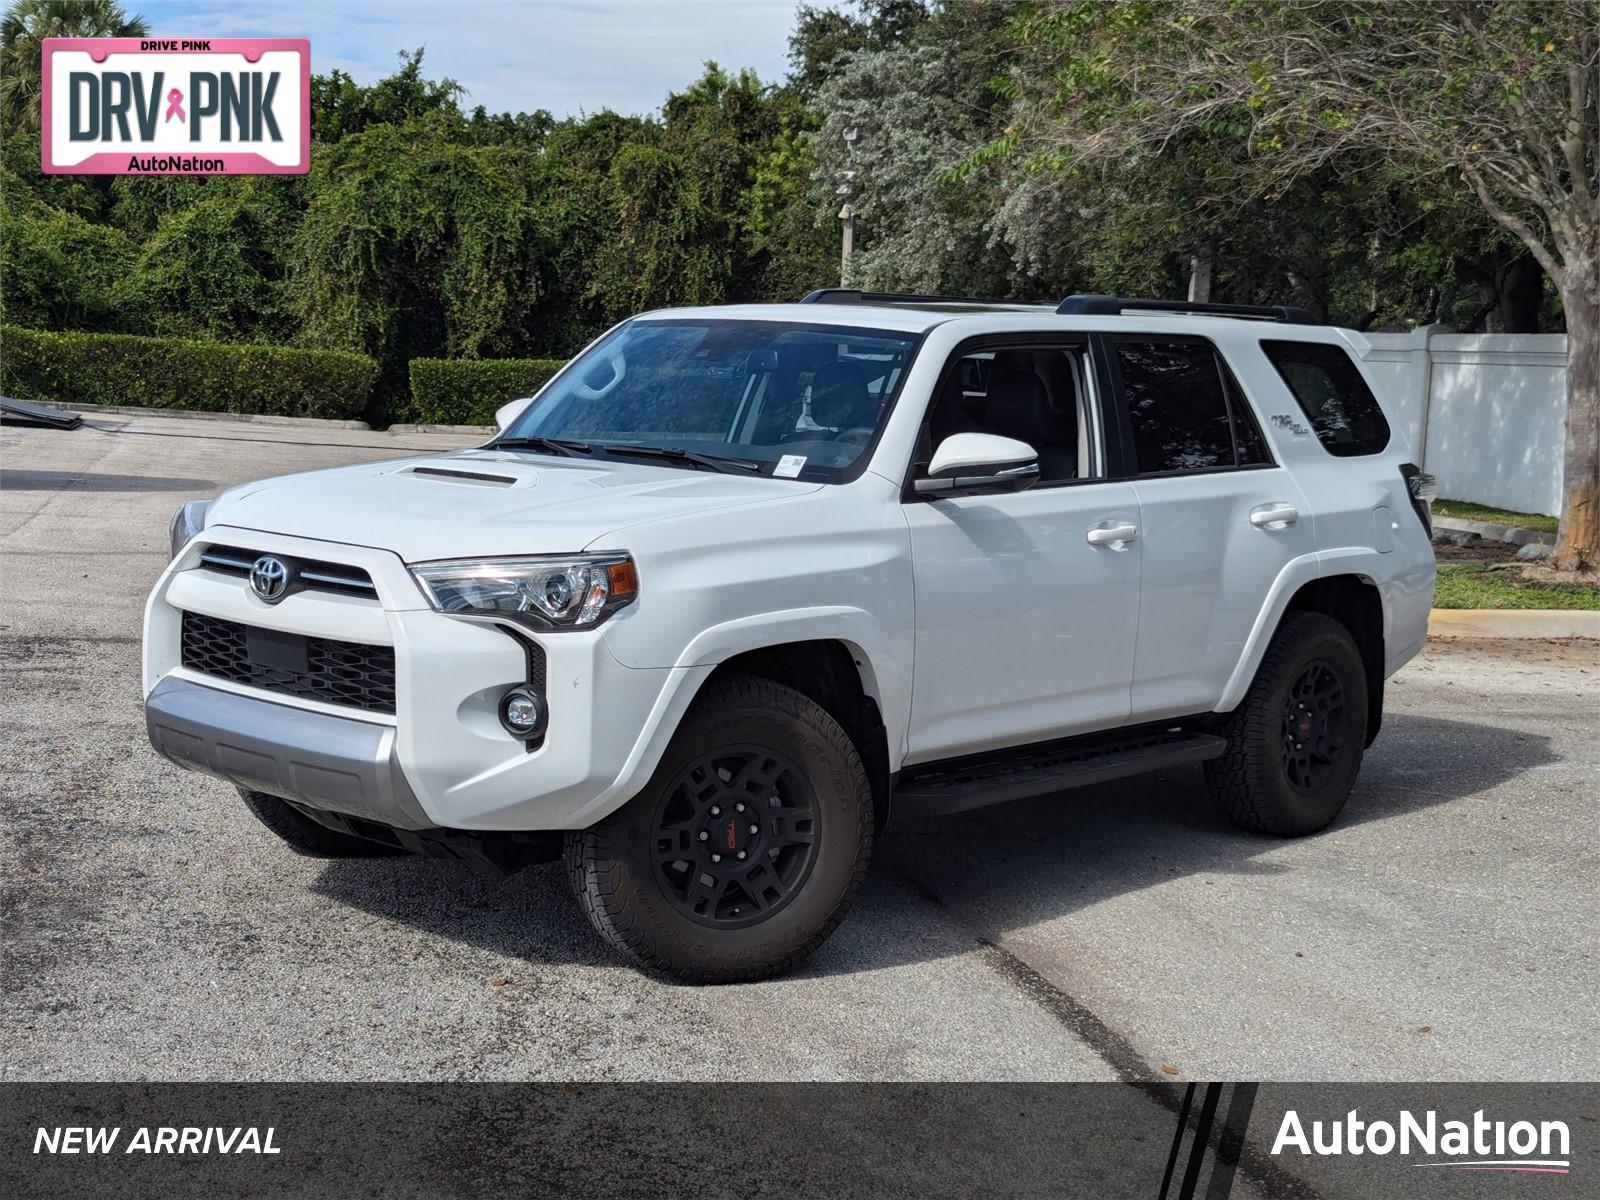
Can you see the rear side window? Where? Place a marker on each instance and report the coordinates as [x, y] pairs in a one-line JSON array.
[[1185, 413], [1330, 391]]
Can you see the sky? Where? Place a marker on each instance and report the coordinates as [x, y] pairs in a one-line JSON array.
[[567, 56]]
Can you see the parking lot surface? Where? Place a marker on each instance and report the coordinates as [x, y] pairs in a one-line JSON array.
[[1442, 929]]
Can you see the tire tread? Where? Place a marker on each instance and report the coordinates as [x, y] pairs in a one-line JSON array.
[[1237, 779]]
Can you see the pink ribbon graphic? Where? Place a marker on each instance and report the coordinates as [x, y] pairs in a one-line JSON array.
[[175, 105]]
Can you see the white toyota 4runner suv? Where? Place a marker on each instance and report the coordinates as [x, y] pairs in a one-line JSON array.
[[740, 580]]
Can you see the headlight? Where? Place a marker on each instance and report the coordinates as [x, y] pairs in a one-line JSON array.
[[549, 592], [186, 522]]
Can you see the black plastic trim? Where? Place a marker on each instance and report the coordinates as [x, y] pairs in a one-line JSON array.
[[472, 476], [496, 852], [976, 781], [533, 657]]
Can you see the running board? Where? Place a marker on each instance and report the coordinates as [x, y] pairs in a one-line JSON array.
[[939, 789]]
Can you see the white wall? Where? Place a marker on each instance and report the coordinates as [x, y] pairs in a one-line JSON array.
[[1489, 408]]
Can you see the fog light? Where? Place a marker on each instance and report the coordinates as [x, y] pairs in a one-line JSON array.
[[522, 713]]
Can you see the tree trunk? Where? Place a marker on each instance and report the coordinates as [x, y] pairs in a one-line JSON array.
[[1520, 285], [1200, 278], [1578, 542]]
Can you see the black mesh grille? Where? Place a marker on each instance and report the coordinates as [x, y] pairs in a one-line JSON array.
[[348, 673]]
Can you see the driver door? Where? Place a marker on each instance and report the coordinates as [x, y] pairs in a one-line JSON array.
[[1027, 603]]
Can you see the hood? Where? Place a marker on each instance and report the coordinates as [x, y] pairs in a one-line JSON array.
[[478, 503]]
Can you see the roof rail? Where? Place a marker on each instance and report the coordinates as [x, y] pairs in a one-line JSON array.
[[856, 296], [1110, 306]]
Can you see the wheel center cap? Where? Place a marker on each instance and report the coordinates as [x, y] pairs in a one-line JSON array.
[[728, 834]]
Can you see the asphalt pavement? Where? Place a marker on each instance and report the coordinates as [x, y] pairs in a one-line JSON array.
[[1442, 929]]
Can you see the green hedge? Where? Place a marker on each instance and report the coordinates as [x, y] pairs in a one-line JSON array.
[[459, 391], [113, 368]]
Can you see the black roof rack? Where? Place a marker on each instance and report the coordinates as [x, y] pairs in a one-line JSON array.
[[1076, 306], [856, 296], [1110, 306]]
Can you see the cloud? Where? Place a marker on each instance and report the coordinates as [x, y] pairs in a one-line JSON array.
[[568, 57]]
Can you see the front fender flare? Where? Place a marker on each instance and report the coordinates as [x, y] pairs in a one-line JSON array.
[[865, 636]]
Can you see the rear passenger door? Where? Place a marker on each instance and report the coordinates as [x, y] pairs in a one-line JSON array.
[[1218, 518]]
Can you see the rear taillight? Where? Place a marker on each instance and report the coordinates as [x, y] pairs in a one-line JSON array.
[[1423, 490]]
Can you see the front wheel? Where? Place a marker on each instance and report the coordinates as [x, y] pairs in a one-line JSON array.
[[1295, 743], [746, 848]]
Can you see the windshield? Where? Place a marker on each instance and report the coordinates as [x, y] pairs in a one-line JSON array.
[[797, 401]]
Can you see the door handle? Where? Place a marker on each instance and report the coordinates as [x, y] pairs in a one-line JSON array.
[[1112, 535], [1273, 516]]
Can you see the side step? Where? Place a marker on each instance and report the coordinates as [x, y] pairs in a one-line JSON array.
[[962, 784]]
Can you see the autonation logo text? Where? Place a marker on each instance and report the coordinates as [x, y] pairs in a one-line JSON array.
[[1476, 1145]]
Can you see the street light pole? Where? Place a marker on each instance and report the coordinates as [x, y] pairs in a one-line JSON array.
[[847, 214]]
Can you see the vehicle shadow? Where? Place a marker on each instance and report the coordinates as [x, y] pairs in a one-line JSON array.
[[991, 870]]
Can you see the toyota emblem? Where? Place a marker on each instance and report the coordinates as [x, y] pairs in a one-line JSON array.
[[269, 578]]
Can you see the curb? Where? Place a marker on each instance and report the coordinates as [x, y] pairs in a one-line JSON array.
[[425, 428], [1513, 623], [195, 414], [1516, 535]]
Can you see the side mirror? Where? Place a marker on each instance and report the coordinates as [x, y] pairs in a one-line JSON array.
[[969, 462], [507, 413]]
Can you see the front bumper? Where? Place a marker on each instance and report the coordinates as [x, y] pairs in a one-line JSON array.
[[449, 763], [325, 762]]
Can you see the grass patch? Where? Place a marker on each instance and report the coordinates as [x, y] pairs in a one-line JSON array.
[[1466, 585], [1495, 516]]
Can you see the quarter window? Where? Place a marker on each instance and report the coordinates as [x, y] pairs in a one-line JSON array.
[[1184, 408], [1330, 391]]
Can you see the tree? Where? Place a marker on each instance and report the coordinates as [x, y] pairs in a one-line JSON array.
[[824, 38], [340, 106], [1496, 97], [415, 243], [25, 26], [919, 106]]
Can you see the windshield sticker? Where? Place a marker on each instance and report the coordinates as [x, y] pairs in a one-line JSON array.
[[789, 466]]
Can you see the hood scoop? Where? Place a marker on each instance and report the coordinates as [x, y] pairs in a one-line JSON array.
[[471, 478]]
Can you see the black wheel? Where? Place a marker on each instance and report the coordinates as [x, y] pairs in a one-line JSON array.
[[305, 836], [1295, 744], [746, 848]]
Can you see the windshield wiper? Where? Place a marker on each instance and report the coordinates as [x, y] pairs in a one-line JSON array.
[[548, 445], [715, 462]]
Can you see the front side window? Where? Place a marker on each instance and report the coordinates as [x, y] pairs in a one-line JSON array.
[[1038, 395], [1184, 408], [800, 401], [1330, 391]]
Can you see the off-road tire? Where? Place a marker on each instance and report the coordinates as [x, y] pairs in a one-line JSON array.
[[613, 865], [304, 836], [1250, 782]]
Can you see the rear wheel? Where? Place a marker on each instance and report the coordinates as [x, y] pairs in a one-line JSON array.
[[745, 850], [305, 836], [1295, 744]]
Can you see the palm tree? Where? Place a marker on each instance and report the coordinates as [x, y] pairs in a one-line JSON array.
[[26, 24]]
